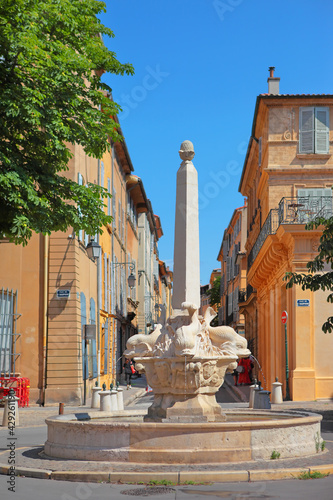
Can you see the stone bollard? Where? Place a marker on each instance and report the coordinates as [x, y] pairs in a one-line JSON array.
[[256, 391], [263, 400], [95, 400], [11, 415], [120, 399], [114, 401], [105, 401], [252, 387], [277, 392]]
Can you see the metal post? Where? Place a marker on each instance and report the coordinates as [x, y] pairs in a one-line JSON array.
[[287, 367], [85, 368]]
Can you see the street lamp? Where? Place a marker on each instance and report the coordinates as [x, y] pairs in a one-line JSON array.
[[131, 280], [93, 250]]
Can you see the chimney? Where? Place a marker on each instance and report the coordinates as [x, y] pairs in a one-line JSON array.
[[273, 82]]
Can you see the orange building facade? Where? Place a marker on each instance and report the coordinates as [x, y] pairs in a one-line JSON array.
[[287, 180]]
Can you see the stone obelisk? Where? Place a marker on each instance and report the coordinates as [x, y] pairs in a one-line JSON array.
[[186, 267]]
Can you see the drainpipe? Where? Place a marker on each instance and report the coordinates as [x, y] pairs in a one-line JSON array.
[[45, 322], [114, 361]]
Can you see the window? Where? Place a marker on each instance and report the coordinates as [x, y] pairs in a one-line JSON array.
[[259, 151], [80, 183], [314, 202], [314, 130]]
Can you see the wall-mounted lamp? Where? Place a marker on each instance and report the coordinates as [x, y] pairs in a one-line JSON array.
[[131, 279], [93, 250]]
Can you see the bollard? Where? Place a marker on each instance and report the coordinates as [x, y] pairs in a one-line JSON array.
[[95, 399], [120, 398], [105, 401], [277, 392], [61, 408], [256, 391], [114, 401], [11, 415], [263, 400], [252, 387]]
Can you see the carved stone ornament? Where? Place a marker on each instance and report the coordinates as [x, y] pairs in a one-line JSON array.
[[185, 362]]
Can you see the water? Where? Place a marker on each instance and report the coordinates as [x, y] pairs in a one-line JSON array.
[[263, 376]]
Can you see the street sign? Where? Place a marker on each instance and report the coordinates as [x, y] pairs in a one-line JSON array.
[[284, 317], [303, 303], [63, 294]]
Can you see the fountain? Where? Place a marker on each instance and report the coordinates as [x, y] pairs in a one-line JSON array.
[[185, 360]]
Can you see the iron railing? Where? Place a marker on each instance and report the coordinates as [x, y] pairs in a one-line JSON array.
[[297, 210], [304, 209], [270, 227]]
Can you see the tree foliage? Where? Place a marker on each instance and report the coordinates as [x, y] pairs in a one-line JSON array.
[[214, 292], [316, 279], [51, 60]]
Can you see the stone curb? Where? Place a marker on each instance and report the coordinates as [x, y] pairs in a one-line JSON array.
[[177, 478]]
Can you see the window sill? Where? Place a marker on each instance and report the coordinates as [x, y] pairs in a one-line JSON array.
[[313, 156]]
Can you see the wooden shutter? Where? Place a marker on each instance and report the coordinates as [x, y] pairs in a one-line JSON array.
[[106, 345], [85, 372], [93, 342], [109, 199], [306, 130], [80, 183], [322, 130]]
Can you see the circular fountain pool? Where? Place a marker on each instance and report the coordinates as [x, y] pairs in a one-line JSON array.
[[124, 437]]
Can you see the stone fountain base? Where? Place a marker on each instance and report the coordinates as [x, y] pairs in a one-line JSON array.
[[185, 388], [124, 437]]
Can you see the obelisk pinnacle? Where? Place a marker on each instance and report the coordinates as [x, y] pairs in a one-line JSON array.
[[186, 269]]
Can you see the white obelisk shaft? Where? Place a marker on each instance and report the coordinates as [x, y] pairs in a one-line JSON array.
[[186, 270]]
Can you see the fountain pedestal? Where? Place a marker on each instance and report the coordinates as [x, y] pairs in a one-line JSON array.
[[184, 389]]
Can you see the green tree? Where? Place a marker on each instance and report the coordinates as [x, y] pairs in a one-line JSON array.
[[214, 292], [316, 279], [52, 57]]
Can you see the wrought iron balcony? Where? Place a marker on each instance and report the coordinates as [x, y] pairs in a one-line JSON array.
[[298, 210], [304, 209], [270, 227]]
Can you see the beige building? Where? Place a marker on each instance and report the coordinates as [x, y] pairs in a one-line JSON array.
[[233, 271], [287, 179]]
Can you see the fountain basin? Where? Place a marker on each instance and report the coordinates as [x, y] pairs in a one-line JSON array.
[[123, 437]]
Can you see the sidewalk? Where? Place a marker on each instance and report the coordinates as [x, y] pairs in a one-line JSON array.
[[36, 415], [30, 462]]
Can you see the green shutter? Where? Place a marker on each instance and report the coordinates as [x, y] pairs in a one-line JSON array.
[[322, 130], [306, 130]]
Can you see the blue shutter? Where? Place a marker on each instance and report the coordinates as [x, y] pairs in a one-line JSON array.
[[109, 199], [83, 322], [80, 183], [322, 130], [306, 130], [106, 345], [93, 342]]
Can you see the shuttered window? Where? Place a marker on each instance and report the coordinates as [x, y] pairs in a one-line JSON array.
[[80, 183], [92, 343], [314, 130]]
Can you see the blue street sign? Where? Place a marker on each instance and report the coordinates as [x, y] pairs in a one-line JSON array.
[[303, 303], [63, 294]]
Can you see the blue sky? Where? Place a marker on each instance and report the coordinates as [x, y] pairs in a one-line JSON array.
[[199, 65]]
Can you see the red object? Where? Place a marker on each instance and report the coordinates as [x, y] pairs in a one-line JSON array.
[[21, 386], [132, 369], [284, 317]]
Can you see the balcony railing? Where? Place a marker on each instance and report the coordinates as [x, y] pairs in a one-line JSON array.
[[270, 227], [304, 209], [300, 210], [245, 293]]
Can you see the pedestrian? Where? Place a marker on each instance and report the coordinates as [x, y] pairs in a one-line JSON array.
[[129, 370], [244, 375]]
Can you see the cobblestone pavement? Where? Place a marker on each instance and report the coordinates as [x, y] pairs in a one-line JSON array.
[[32, 456]]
